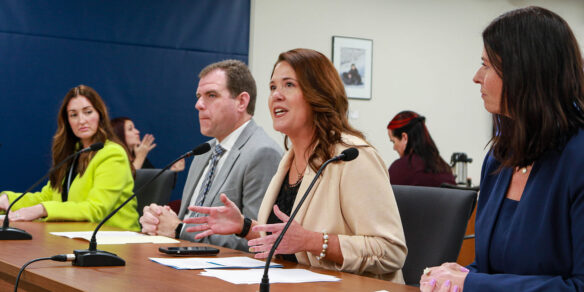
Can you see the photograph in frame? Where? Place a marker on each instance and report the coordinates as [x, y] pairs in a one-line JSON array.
[[352, 58]]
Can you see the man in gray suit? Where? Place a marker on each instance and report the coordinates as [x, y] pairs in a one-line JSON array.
[[241, 162]]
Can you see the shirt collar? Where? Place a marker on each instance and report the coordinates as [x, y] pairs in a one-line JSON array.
[[230, 140]]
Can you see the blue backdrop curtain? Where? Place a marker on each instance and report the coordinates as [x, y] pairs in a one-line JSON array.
[[141, 56]]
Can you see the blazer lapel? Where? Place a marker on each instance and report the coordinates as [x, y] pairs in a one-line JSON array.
[[491, 213], [195, 174], [232, 156], [221, 177]]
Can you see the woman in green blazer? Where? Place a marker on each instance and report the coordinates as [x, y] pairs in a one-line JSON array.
[[91, 186]]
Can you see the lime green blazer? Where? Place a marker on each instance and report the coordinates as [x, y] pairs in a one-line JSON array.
[[106, 183]]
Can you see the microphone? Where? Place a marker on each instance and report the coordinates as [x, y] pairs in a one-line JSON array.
[[93, 257], [9, 233], [347, 155]]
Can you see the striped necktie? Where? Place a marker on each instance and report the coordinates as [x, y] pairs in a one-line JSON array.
[[218, 151]]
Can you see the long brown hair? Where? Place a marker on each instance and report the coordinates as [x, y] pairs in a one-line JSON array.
[[535, 53], [65, 142], [323, 89]]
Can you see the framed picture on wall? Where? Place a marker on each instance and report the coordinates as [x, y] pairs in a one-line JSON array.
[[353, 59]]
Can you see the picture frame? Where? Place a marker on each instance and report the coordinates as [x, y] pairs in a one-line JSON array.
[[352, 57]]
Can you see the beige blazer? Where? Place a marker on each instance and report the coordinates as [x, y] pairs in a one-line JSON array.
[[355, 201]]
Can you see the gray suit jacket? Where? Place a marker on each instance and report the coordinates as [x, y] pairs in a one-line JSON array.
[[243, 177]]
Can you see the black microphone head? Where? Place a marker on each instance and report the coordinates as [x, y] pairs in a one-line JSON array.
[[203, 148], [96, 146], [349, 154]]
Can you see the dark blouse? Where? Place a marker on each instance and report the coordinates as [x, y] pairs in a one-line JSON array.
[[285, 202], [406, 171], [69, 177], [501, 235]]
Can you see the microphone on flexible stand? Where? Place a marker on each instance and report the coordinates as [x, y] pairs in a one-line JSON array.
[[347, 155], [94, 257], [9, 233]]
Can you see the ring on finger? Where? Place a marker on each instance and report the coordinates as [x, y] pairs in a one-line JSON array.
[[427, 271]]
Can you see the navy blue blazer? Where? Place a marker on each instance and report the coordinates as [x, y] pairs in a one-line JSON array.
[[544, 249]]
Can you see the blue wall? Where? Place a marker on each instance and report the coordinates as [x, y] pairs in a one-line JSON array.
[[142, 57]]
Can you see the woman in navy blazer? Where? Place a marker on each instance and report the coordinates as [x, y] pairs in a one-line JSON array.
[[530, 217]]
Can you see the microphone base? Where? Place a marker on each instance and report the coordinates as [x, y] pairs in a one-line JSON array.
[[96, 258], [265, 284], [10, 233]]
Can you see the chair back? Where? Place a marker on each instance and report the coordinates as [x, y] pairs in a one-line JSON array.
[[158, 191], [434, 222]]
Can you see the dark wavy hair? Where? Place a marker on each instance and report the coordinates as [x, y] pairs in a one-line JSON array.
[[65, 142], [535, 53], [419, 140], [323, 89]]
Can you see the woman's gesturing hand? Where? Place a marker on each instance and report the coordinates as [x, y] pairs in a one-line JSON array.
[[147, 144], [296, 238], [224, 220]]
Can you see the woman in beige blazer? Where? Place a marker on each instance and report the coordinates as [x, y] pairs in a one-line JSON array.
[[349, 221]]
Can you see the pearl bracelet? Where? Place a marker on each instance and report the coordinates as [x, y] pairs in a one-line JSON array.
[[324, 246]]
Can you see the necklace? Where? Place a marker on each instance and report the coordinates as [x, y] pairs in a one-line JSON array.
[[523, 170], [300, 174]]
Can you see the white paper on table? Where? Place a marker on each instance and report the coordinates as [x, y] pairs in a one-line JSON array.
[[117, 237], [185, 263], [241, 263], [254, 276], [197, 263]]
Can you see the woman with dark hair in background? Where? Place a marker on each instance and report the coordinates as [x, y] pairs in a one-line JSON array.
[[350, 221], [529, 234], [420, 163], [129, 135], [91, 186], [138, 149]]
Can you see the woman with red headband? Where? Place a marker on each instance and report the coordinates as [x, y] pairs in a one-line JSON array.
[[420, 163]]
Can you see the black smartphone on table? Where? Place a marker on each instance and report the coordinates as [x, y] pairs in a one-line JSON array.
[[189, 250]]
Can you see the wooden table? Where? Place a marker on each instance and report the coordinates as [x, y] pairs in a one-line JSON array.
[[139, 273]]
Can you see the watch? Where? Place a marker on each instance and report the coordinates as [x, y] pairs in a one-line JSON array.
[[178, 230], [246, 226]]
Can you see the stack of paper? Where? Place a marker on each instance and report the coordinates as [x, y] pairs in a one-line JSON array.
[[212, 263], [254, 276], [117, 237], [215, 267]]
